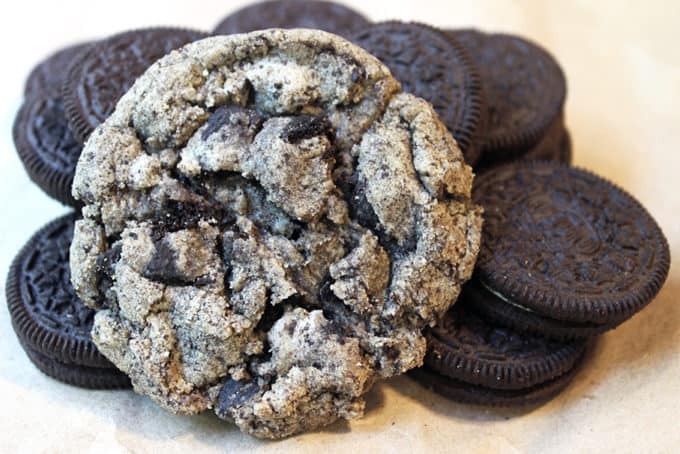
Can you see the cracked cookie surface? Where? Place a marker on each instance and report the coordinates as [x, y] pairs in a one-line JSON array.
[[269, 224]]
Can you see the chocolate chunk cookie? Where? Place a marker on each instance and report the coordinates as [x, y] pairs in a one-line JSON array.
[[437, 68], [44, 142], [525, 88], [221, 195], [564, 244], [98, 78], [327, 16], [50, 321]]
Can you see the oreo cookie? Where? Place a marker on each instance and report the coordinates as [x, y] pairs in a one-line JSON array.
[[48, 75], [52, 324], [474, 361], [494, 307], [431, 65], [563, 244], [554, 146], [478, 395], [327, 16], [98, 78], [46, 146], [525, 88], [43, 139]]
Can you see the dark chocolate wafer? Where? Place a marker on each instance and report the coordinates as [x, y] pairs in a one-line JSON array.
[[48, 75], [525, 89], [502, 312], [98, 78], [46, 145], [466, 393], [78, 375], [466, 347], [327, 16], [567, 244], [431, 65], [51, 322]]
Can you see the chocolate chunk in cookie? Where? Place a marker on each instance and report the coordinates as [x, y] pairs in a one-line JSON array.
[[328, 16], [52, 324], [437, 68], [565, 244], [98, 78]]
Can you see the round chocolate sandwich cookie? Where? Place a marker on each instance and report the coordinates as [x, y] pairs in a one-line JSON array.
[[46, 145], [51, 322], [76, 374], [466, 347], [567, 244], [48, 75], [327, 16], [431, 65], [467, 393], [44, 142], [99, 77], [494, 307], [554, 146], [525, 89]]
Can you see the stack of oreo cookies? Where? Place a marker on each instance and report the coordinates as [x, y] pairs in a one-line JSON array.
[[565, 254], [65, 98]]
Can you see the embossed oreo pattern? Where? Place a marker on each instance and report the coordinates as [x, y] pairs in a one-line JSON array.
[[327, 16], [479, 395], [568, 244], [46, 146], [526, 89], [466, 347], [46, 313], [99, 77], [48, 76], [430, 65], [493, 308]]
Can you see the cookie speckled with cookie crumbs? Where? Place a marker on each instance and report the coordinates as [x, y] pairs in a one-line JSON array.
[[281, 222]]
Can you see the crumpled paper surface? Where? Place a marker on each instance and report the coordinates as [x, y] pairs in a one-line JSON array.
[[623, 70]]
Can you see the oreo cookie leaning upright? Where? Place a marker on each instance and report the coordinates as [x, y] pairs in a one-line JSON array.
[[564, 252], [431, 65], [98, 78], [327, 16], [474, 361], [526, 90], [48, 75], [44, 142], [52, 324]]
